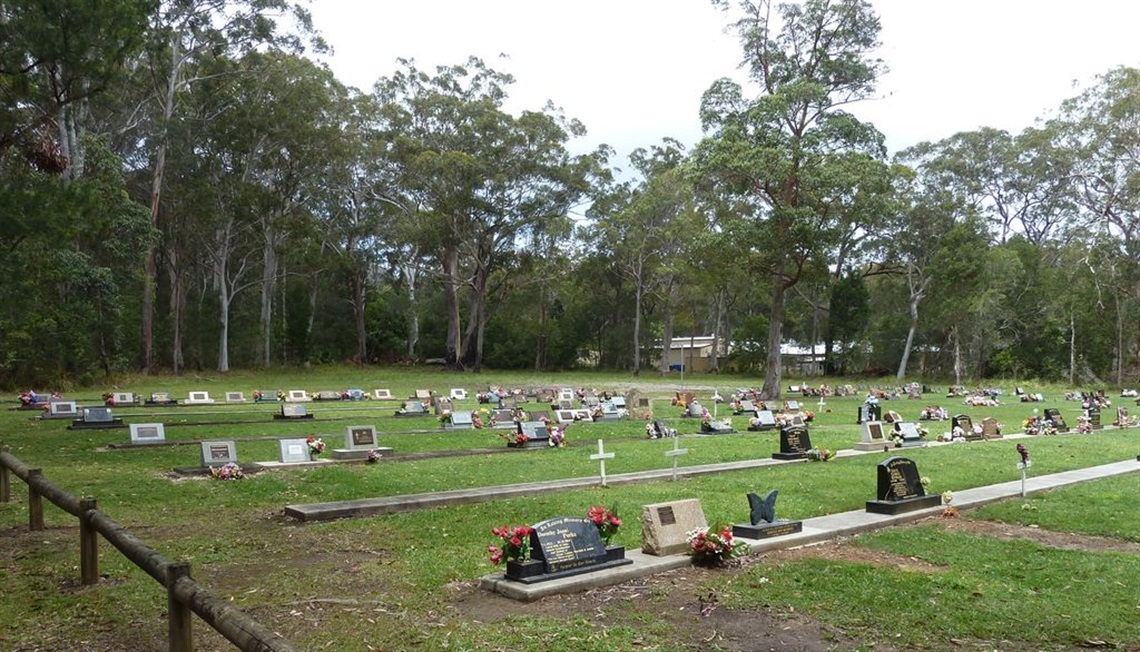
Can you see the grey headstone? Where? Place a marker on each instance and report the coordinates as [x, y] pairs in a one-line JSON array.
[[360, 437], [147, 433], [218, 453], [293, 451], [665, 526]]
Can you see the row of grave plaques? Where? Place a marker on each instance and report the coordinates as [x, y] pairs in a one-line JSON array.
[[570, 545], [359, 443]]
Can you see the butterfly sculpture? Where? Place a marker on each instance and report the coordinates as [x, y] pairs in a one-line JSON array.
[[763, 509]]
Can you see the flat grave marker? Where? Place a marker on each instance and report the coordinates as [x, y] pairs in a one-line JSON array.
[[148, 433], [297, 396], [235, 397], [199, 398], [382, 394]]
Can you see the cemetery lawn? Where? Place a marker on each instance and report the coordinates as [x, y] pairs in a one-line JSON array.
[[1055, 571]]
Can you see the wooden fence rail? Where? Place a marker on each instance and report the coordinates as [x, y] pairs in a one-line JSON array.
[[184, 595]]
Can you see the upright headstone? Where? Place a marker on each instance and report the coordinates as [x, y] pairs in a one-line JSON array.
[[148, 433], [123, 398], [199, 398], [964, 422], [460, 420], [1054, 415], [458, 394], [235, 397], [442, 405], [359, 442], [665, 526], [874, 437], [1122, 418], [297, 396], [218, 453], [900, 488], [355, 394], [293, 451], [327, 395], [794, 443], [536, 433], [161, 398], [1094, 418], [382, 394], [909, 433], [565, 546], [422, 394], [990, 428]]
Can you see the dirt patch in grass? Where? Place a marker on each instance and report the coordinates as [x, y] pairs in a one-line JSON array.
[[1060, 540]]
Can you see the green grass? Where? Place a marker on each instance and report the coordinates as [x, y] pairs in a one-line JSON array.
[[389, 582]]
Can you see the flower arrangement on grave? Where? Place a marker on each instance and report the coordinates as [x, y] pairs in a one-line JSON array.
[[257, 394], [229, 471], [925, 482], [820, 454], [714, 546], [316, 445], [1024, 453], [518, 414], [1084, 425], [557, 435], [809, 416], [373, 456], [898, 440], [607, 521], [512, 437], [949, 511], [476, 419], [445, 417], [280, 395], [515, 542]]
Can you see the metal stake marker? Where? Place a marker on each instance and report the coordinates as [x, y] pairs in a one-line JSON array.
[[674, 453], [601, 456]]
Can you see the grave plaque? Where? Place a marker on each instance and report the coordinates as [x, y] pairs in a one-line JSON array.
[[747, 408], [235, 397], [565, 416], [161, 398], [199, 398], [123, 398], [502, 418], [63, 409], [565, 546], [618, 402], [644, 402], [900, 488], [382, 394], [97, 415], [458, 394], [356, 394], [218, 453], [327, 395], [545, 396], [1122, 419], [460, 421], [293, 451], [694, 409], [442, 405], [265, 396], [665, 526], [609, 412], [792, 406], [147, 433], [565, 405], [565, 395], [536, 431], [765, 420], [293, 411], [539, 415], [794, 443], [1054, 415], [412, 409], [422, 394], [909, 432], [297, 396], [360, 437]]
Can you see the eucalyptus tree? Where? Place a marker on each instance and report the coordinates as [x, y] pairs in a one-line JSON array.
[[1102, 125], [477, 177], [182, 33], [791, 155]]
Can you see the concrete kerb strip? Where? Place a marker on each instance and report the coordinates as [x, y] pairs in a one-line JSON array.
[[815, 530]]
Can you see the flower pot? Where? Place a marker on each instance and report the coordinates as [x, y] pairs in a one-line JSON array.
[[614, 553]]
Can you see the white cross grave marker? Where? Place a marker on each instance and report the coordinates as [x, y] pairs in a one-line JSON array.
[[821, 403], [601, 456], [674, 453]]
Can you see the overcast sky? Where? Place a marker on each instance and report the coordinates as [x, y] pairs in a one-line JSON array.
[[633, 71]]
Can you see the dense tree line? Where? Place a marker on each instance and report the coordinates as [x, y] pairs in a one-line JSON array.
[[183, 186]]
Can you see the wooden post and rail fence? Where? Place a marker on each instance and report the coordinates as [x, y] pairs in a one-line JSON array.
[[184, 595]]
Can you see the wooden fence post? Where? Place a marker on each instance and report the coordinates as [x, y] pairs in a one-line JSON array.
[[179, 616], [88, 544], [35, 502], [5, 487]]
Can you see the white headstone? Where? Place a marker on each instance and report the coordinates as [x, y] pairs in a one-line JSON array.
[[63, 409], [297, 396], [123, 398], [458, 394], [235, 397], [382, 394], [199, 398]]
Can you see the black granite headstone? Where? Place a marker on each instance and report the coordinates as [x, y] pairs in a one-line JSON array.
[[900, 488], [1094, 418], [1054, 415], [564, 546], [794, 443]]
